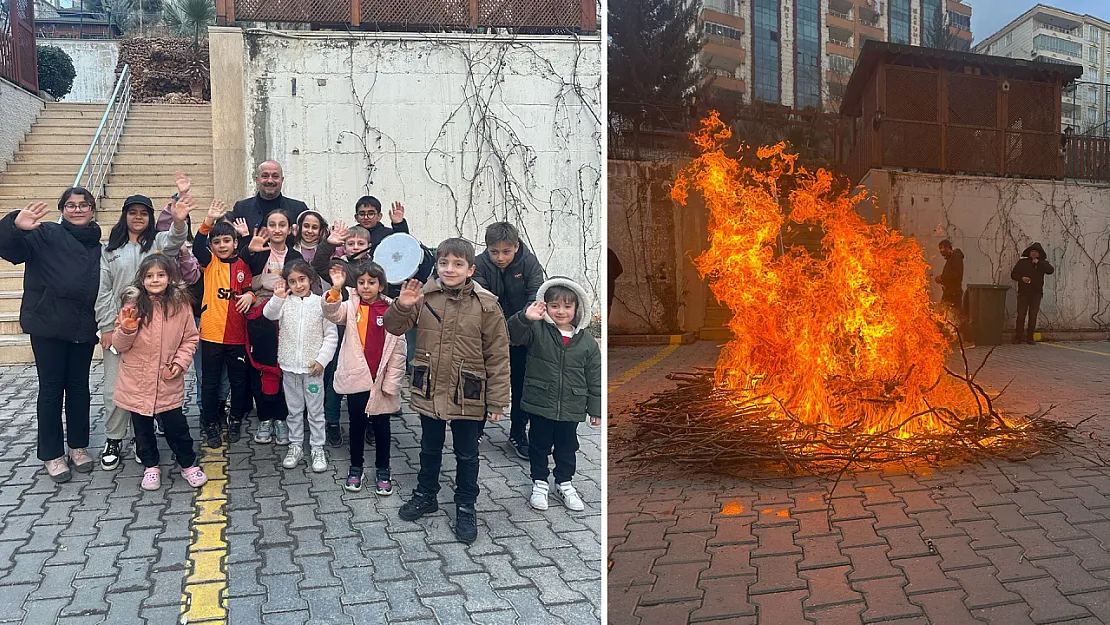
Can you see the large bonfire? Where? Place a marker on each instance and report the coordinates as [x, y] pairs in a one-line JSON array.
[[836, 357]]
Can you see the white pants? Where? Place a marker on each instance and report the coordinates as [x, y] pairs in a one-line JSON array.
[[117, 419], [303, 390]]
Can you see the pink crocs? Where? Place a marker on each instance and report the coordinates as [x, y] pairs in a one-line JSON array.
[[152, 478], [194, 476]]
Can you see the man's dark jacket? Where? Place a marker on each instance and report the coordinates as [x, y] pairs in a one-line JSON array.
[[952, 277], [1036, 273], [516, 286], [254, 209]]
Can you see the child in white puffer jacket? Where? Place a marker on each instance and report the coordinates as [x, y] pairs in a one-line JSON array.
[[306, 344]]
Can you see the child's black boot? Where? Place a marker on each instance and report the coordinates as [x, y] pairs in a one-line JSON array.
[[466, 524], [234, 428], [418, 506]]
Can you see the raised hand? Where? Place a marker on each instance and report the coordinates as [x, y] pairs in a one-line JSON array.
[[171, 372], [410, 293], [260, 240], [183, 183], [338, 233], [397, 213], [241, 227], [129, 318], [494, 417], [315, 369], [182, 208], [338, 277], [244, 301], [28, 218], [216, 212], [281, 290], [536, 311]]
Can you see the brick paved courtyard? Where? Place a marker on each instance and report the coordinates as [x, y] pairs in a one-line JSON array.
[[284, 546], [1005, 543]]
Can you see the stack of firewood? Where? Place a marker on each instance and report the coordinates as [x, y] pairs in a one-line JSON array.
[[166, 69]]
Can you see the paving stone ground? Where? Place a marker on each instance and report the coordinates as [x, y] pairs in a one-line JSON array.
[[300, 548], [1006, 543]]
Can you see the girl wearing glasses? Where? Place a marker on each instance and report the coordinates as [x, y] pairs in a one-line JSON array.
[[60, 280]]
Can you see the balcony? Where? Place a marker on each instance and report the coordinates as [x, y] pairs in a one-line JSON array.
[[842, 6], [841, 21], [727, 83], [869, 16], [958, 7], [1056, 20], [722, 53], [840, 34]]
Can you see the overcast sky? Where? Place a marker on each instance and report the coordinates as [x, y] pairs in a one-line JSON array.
[[988, 16]]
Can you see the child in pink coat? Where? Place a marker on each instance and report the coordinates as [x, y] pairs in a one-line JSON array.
[[370, 367], [156, 338]]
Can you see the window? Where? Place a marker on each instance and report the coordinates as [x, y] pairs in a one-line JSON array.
[[807, 69], [930, 11], [766, 61], [1049, 43], [711, 28], [1093, 33], [721, 6], [900, 21], [841, 64], [963, 22], [1092, 55]]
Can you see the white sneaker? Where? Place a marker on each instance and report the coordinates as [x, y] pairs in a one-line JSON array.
[[293, 457], [539, 495], [264, 433], [319, 460], [570, 497]]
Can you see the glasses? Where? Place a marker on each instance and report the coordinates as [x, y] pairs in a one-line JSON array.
[[83, 206], [367, 213]]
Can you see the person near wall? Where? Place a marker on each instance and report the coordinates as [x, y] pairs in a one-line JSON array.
[[951, 280], [133, 238], [60, 283], [1029, 272], [268, 179]]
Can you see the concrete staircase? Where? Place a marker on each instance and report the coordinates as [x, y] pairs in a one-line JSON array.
[[157, 140]]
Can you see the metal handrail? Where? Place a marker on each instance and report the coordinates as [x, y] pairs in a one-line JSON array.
[[94, 169]]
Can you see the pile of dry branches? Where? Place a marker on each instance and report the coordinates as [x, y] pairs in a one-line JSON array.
[[699, 426], [161, 66]]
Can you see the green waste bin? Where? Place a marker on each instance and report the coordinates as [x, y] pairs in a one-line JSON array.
[[986, 312]]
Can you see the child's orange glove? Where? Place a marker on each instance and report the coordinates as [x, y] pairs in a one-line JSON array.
[[129, 319]]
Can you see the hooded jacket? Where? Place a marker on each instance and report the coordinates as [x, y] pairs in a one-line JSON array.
[[60, 280], [146, 353], [516, 285], [561, 382], [952, 276], [352, 373], [118, 267], [461, 366], [1036, 273]]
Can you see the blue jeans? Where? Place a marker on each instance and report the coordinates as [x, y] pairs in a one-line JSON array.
[[225, 384]]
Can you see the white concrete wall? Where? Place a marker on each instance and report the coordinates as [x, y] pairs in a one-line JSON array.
[[19, 109], [993, 219], [95, 62], [464, 130]]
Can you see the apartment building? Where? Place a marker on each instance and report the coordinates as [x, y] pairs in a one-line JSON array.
[[800, 53], [1045, 33]]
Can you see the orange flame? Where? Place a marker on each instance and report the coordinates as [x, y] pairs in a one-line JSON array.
[[848, 338]]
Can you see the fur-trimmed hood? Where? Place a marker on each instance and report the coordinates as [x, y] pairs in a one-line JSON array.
[[583, 313]]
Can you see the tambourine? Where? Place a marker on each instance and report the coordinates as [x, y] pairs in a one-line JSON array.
[[400, 256]]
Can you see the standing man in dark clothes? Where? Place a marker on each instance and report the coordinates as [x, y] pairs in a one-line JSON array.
[[368, 213], [951, 279], [1029, 272], [269, 179], [509, 270]]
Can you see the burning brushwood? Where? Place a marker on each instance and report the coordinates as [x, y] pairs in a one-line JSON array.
[[837, 359]]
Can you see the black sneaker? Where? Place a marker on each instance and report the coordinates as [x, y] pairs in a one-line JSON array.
[[466, 524], [212, 435], [109, 457], [418, 506], [335, 435], [234, 430], [521, 447]]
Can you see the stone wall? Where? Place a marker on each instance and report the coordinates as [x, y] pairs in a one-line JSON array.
[[95, 62], [20, 110]]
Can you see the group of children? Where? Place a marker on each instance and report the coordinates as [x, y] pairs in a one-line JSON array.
[[278, 306]]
